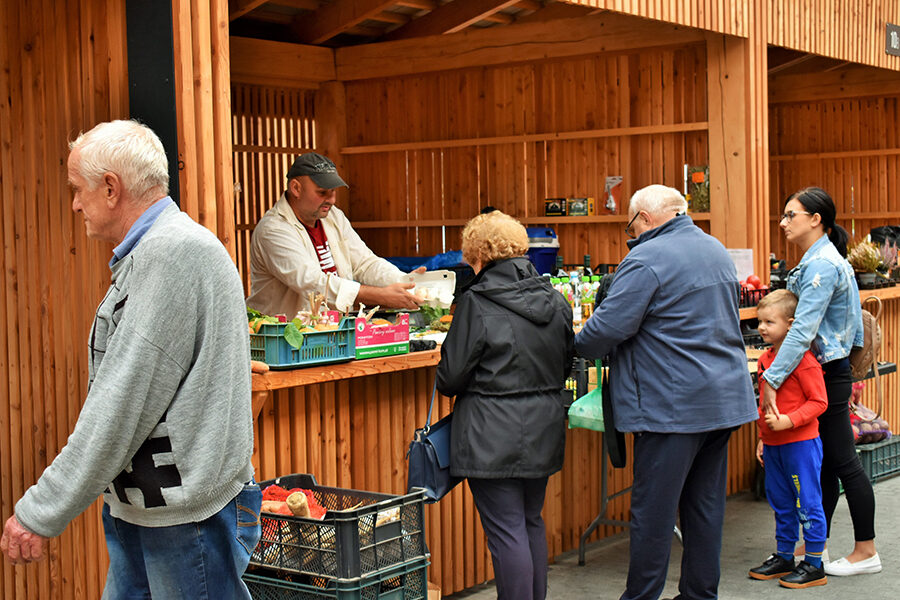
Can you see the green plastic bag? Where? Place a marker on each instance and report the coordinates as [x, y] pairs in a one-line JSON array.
[[587, 411]]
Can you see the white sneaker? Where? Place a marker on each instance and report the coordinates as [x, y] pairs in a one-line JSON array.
[[843, 567]]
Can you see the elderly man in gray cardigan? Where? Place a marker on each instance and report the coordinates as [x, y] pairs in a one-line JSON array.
[[165, 433]]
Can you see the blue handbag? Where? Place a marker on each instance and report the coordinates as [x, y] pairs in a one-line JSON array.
[[429, 458]]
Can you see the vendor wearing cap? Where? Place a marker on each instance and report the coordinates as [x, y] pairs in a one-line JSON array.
[[306, 244]]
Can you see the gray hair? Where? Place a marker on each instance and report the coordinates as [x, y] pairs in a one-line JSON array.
[[656, 200], [129, 149]]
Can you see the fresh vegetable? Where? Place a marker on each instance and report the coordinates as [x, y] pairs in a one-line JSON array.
[[257, 366], [292, 335]]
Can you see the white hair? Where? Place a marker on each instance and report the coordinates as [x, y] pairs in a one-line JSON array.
[[130, 150], [657, 200]]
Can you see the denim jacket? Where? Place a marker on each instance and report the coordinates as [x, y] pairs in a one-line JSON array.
[[828, 319]]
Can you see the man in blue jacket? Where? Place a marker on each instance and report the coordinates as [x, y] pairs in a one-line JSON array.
[[678, 372]]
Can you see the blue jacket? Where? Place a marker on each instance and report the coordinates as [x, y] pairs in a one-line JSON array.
[[671, 326], [828, 318]]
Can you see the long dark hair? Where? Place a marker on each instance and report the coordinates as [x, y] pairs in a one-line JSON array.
[[816, 200]]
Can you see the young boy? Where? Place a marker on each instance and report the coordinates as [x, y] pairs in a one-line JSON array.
[[791, 451]]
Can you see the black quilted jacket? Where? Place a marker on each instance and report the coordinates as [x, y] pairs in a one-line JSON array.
[[506, 359]]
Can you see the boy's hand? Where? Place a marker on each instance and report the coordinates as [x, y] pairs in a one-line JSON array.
[[759, 453], [779, 422]]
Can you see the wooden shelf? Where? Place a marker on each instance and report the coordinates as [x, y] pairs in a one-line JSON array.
[[276, 380], [524, 220], [889, 293], [554, 136]]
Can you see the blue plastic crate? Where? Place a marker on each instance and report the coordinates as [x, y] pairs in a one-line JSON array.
[[269, 346], [408, 581]]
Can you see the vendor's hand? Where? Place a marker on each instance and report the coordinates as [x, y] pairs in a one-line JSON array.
[[767, 398], [395, 295], [778, 422], [759, 453], [20, 545], [420, 270]]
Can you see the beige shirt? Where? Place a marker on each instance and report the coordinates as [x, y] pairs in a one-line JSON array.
[[284, 266]]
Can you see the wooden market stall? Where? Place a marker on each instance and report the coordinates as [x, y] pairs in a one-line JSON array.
[[432, 110]]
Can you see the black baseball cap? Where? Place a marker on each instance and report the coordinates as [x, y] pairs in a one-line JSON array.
[[319, 168]]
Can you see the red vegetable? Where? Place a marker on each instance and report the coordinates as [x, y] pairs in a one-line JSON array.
[[279, 494]]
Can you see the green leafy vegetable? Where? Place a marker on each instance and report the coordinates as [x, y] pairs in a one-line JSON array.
[[433, 313], [292, 335]]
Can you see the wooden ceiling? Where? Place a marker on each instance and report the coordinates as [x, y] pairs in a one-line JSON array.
[[337, 23]]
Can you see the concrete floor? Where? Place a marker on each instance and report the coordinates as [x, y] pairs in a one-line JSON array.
[[748, 540]]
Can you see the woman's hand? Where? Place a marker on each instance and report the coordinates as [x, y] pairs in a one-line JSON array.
[[759, 453], [767, 398]]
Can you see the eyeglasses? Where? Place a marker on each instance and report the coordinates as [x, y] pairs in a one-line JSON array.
[[789, 215], [628, 230]]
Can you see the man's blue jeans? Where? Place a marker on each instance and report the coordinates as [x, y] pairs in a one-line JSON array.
[[203, 560]]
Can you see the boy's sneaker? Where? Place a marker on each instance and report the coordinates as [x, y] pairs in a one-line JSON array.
[[804, 576], [775, 566]]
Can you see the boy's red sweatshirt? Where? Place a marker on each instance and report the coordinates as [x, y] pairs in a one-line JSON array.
[[801, 397]]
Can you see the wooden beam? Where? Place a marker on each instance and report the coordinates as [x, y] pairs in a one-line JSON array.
[[530, 4], [848, 83], [391, 17], [556, 10], [336, 18], [239, 8], [301, 4], [261, 61], [499, 17], [419, 4], [449, 18], [791, 63], [607, 32]]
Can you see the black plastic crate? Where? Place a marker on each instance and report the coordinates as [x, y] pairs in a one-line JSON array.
[[408, 581], [362, 533], [751, 297]]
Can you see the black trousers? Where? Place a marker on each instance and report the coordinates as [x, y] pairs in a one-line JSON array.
[[510, 511], [839, 458], [683, 474]]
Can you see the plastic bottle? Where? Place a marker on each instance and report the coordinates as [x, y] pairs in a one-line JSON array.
[[575, 298]]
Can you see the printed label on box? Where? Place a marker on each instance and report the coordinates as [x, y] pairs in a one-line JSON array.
[[382, 340]]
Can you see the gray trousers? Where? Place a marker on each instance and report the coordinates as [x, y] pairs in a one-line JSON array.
[[510, 511]]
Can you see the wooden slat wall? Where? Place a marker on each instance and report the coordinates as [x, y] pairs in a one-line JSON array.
[[723, 16], [354, 434], [62, 70], [414, 153], [270, 126], [202, 77], [851, 30], [851, 148]]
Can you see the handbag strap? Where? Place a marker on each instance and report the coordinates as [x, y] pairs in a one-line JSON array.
[[430, 407]]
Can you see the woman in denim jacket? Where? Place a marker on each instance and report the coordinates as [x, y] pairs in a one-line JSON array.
[[828, 321]]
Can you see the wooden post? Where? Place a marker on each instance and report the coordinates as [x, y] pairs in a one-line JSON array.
[[738, 144]]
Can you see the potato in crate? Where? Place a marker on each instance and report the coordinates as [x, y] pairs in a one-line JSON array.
[[360, 534]]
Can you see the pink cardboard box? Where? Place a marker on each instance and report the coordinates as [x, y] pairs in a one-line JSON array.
[[382, 340]]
